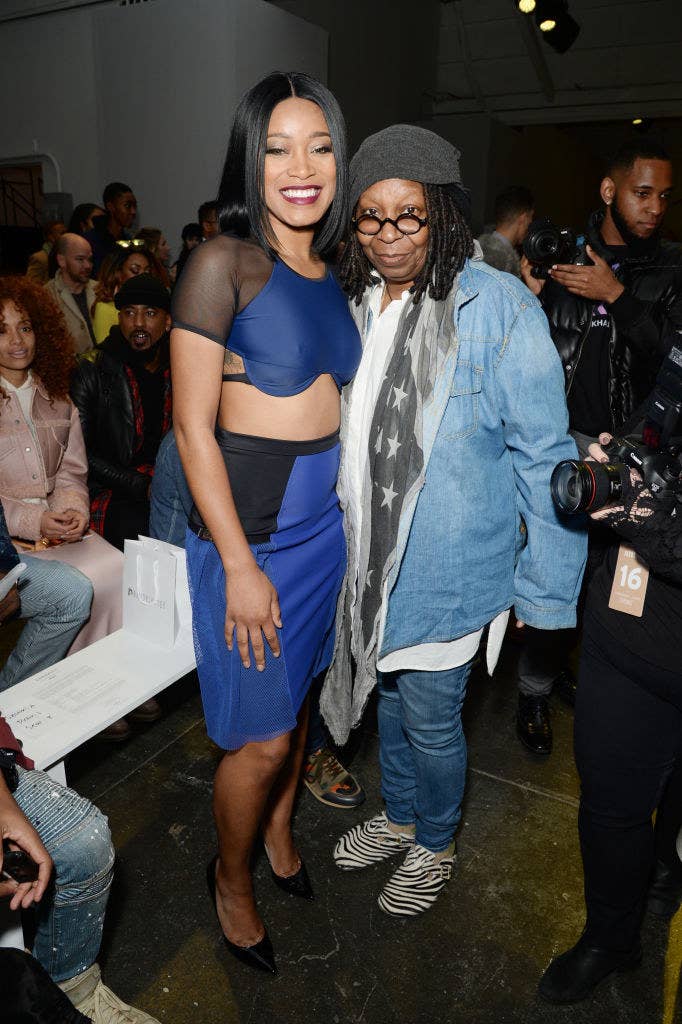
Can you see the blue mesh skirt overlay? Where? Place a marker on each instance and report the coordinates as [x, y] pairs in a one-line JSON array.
[[285, 495]]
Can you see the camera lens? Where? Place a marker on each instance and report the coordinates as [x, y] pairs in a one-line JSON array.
[[585, 486], [543, 243]]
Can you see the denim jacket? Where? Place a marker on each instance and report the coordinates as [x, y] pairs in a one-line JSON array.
[[483, 534]]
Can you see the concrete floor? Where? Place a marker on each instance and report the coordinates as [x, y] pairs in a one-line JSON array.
[[476, 957]]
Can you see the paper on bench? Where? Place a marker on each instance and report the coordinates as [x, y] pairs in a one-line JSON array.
[[60, 707], [61, 692]]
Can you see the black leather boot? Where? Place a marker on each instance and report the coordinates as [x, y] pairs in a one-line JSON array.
[[573, 976], [565, 686], [665, 890], [533, 724]]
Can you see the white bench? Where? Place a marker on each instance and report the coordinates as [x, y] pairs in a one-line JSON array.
[[58, 709]]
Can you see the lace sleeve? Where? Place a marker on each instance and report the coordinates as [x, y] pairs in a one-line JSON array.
[[220, 277], [652, 527]]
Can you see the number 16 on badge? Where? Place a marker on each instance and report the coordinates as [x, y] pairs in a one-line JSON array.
[[630, 581]]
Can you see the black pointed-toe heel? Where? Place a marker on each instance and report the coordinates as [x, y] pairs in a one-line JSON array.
[[261, 956], [295, 885]]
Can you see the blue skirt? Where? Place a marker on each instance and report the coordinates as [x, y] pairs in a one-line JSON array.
[[285, 494]]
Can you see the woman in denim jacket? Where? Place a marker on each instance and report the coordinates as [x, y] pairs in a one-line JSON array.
[[453, 425]]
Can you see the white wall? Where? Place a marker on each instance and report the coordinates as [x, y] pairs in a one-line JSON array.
[[47, 86], [144, 93], [164, 123]]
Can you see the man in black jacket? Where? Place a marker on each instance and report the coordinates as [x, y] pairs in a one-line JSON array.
[[123, 395], [121, 206], [612, 323]]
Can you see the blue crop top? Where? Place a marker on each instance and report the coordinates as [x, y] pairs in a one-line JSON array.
[[288, 329]]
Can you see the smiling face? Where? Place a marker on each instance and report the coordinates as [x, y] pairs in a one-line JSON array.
[[640, 195], [17, 343], [399, 258], [300, 169], [143, 326]]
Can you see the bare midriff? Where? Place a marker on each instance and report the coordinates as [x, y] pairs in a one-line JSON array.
[[313, 413]]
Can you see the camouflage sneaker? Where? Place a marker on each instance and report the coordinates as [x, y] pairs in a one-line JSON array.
[[330, 782]]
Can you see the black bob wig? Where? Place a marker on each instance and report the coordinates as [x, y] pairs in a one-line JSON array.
[[241, 199]]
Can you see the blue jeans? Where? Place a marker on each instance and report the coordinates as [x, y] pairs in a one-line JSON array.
[[422, 751], [170, 498], [317, 734], [70, 915], [55, 601]]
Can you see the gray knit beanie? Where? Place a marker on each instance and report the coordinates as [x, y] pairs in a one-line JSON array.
[[408, 152]]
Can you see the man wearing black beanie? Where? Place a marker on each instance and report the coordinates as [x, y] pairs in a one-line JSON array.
[[122, 391]]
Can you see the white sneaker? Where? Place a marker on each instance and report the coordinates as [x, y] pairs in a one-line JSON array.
[[94, 1000], [369, 843], [417, 883]]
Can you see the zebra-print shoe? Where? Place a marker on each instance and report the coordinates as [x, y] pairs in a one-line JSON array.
[[417, 883], [369, 843]]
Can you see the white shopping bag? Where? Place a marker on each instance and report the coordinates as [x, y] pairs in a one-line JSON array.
[[155, 592]]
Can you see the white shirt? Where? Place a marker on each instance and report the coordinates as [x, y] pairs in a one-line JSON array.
[[378, 348]]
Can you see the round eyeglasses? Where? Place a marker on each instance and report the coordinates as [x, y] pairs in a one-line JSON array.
[[406, 223]]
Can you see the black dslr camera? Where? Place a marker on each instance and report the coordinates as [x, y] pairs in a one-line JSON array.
[[588, 486], [545, 244]]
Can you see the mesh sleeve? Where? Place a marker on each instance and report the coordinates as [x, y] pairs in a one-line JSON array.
[[205, 298]]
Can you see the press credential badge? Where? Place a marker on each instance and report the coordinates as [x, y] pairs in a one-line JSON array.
[[630, 581]]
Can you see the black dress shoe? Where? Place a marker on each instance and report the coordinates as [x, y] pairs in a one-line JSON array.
[[665, 891], [295, 885], [261, 956], [533, 725], [572, 976], [565, 686]]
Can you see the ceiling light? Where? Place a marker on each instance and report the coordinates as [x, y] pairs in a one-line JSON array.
[[526, 6], [638, 120], [564, 34], [556, 24]]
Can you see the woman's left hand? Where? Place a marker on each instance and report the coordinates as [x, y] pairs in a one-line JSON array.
[[75, 525]]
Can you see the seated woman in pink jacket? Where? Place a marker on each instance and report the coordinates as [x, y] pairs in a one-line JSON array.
[[43, 463]]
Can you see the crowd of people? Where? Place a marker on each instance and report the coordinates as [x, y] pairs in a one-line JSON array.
[[344, 407]]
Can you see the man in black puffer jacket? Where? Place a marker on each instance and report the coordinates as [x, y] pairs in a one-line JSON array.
[[612, 324], [122, 391]]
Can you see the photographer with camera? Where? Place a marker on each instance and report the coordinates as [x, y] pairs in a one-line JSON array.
[[628, 721], [613, 299]]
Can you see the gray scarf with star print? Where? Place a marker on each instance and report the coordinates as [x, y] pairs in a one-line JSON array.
[[393, 479]]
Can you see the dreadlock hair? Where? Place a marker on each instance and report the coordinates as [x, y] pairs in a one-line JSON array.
[[450, 244]]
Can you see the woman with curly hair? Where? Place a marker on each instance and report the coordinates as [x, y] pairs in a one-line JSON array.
[[44, 482]]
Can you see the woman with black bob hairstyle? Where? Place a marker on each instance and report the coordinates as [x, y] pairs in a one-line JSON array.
[[262, 343]]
